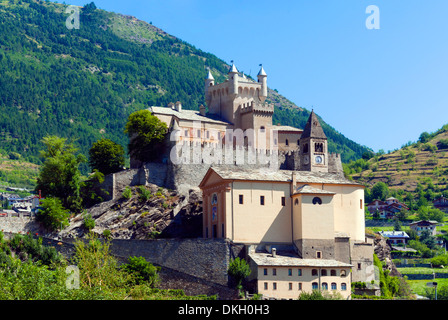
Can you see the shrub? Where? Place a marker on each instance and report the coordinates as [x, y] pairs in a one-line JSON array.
[[89, 222], [127, 193], [238, 270], [53, 215], [145, 194], [142, 271]]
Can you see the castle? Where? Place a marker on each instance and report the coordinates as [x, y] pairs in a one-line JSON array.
[[301, 221]]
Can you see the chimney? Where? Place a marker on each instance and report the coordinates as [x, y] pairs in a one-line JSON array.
[[293, 182], [178, 106], [274, 252], [202, 110], [171, 105]]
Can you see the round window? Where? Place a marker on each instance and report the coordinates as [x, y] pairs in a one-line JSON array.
[[317, 200]]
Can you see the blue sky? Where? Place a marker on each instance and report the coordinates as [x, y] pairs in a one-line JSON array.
[[379, 87]]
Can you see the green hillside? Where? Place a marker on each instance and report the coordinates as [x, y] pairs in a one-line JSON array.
[[83, 83], [416, 173]]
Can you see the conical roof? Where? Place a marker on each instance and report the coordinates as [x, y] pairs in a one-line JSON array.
[[210, 76], [233, 69], [313, 129], [262, 72]]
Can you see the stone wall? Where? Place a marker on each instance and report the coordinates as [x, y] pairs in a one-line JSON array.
[[206, 259], [19, 225]]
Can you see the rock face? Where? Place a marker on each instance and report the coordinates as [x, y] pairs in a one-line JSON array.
[[163, 213], [382, 250]]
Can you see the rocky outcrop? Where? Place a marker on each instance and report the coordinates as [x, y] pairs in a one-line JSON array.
[[383, 252], [164, 213]]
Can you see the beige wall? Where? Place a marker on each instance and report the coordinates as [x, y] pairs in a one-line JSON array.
[[252, 222], [292, 138], [287, 286], [349, 210], [313, 221], [255, 223]]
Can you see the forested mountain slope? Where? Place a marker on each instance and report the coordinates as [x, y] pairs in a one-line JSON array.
[[83, 83]]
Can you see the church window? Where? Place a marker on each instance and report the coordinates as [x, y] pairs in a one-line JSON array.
[[317, 200], [289, 272], [323, 272], [290, 286], [262, 200], [315, 286], [296, 202], [343, 286], [241, 199], [334, 286], [265, 271], [287, 142], [319, 147], [333, 273], [283, 201], [305, 148], [324, 286], [262, 128], [299, 272], [319, 256], [265, 286], [300, 285], [274, 272], [360, 204], [274, 286], [314, 272]]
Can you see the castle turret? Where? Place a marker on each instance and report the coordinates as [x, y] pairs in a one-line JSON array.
[[233, 77], [262, 78], [209, 81]]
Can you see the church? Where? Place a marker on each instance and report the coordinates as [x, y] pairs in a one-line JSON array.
[[303, 228]]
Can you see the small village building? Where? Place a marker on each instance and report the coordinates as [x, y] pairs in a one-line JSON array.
[[441, 203], [395, 237], [386, 209], [422, 225]]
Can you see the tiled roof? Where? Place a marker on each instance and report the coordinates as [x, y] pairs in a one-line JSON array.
[[313, 129], [191, 115], [286, 128], [267, 174], [306, 189], [266, 259]]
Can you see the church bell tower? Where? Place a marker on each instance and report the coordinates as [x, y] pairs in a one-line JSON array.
[[313, 147]]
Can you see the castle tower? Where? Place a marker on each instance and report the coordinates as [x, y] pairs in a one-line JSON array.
[[313, 147], [233, 78], [262, 78], [209, 81]]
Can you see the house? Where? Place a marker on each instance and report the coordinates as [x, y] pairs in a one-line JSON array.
[[386, 209], [395, 237], [441, 203], [312, 218], [420, 226]]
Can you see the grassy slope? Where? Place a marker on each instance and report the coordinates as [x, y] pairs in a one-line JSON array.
[[400, 170]]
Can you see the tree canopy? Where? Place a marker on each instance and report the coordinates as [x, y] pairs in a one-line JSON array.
[[145, 132]]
